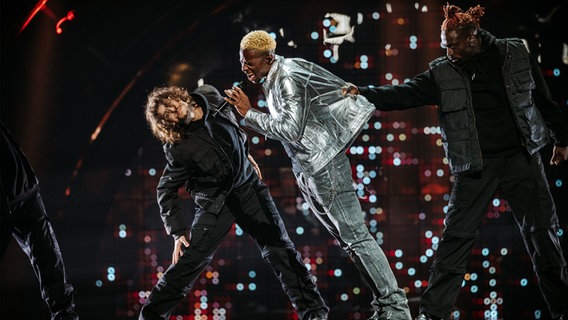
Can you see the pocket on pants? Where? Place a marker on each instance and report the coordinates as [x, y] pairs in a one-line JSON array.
[[199, 238], [322, 189], [197, 233]]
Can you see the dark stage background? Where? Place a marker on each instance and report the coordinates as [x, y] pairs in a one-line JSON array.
[[74, 101]]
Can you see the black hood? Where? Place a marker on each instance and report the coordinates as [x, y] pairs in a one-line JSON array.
[[207, 97], [487, 39]]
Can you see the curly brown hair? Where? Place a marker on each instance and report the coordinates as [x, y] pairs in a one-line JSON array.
[[457, 20], [164, 130]]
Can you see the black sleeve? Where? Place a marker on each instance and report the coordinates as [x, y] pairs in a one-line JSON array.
[[173, 178], [418, 91], [555, 119], [16, 173]]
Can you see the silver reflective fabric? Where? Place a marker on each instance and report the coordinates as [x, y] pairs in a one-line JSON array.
[[308, 113]]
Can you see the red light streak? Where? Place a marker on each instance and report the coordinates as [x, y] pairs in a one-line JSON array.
[[40, 5], [70, 16]]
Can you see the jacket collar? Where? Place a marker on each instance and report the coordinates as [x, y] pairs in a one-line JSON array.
[[487, 39], [272, 74]]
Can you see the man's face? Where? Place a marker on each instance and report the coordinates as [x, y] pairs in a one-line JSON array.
[[178, 111], [460, 47], [255, 64]]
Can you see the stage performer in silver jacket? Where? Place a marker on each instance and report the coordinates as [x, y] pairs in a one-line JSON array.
[[316, 124]]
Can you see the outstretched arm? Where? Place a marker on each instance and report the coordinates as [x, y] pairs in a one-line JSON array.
[[419, 91]]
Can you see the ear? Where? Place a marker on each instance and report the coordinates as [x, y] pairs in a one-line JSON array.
[[471, 40], [473, 35], [270, 58]]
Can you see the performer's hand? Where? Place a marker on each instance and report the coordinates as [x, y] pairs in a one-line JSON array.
[[559, 154], [257, 169], [178, 252], [255, 166], [238, 98], [349, 89]]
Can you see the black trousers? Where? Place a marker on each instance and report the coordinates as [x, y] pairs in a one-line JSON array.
[[29, 224], [253, 208], [522, 182]]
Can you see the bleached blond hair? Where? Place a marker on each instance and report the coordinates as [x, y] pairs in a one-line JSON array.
[[258, 40]]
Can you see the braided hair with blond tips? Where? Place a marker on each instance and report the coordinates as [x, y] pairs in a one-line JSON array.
[[457, 20]]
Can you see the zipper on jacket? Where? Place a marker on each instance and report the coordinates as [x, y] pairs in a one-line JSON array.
[[507, 61], [470, 106]]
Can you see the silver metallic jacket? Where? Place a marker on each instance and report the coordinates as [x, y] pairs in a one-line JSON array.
[[308, 113]]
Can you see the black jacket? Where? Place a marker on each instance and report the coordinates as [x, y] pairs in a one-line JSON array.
[[18, 181], [210, 160], [535, 113]]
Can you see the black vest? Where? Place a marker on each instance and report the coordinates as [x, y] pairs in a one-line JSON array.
[[457, 118]]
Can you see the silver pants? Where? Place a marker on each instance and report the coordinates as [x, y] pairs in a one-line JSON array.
[[333, 200]]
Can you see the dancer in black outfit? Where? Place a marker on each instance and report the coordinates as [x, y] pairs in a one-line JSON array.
[[23, 216], [207, 152], [496, 113]]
